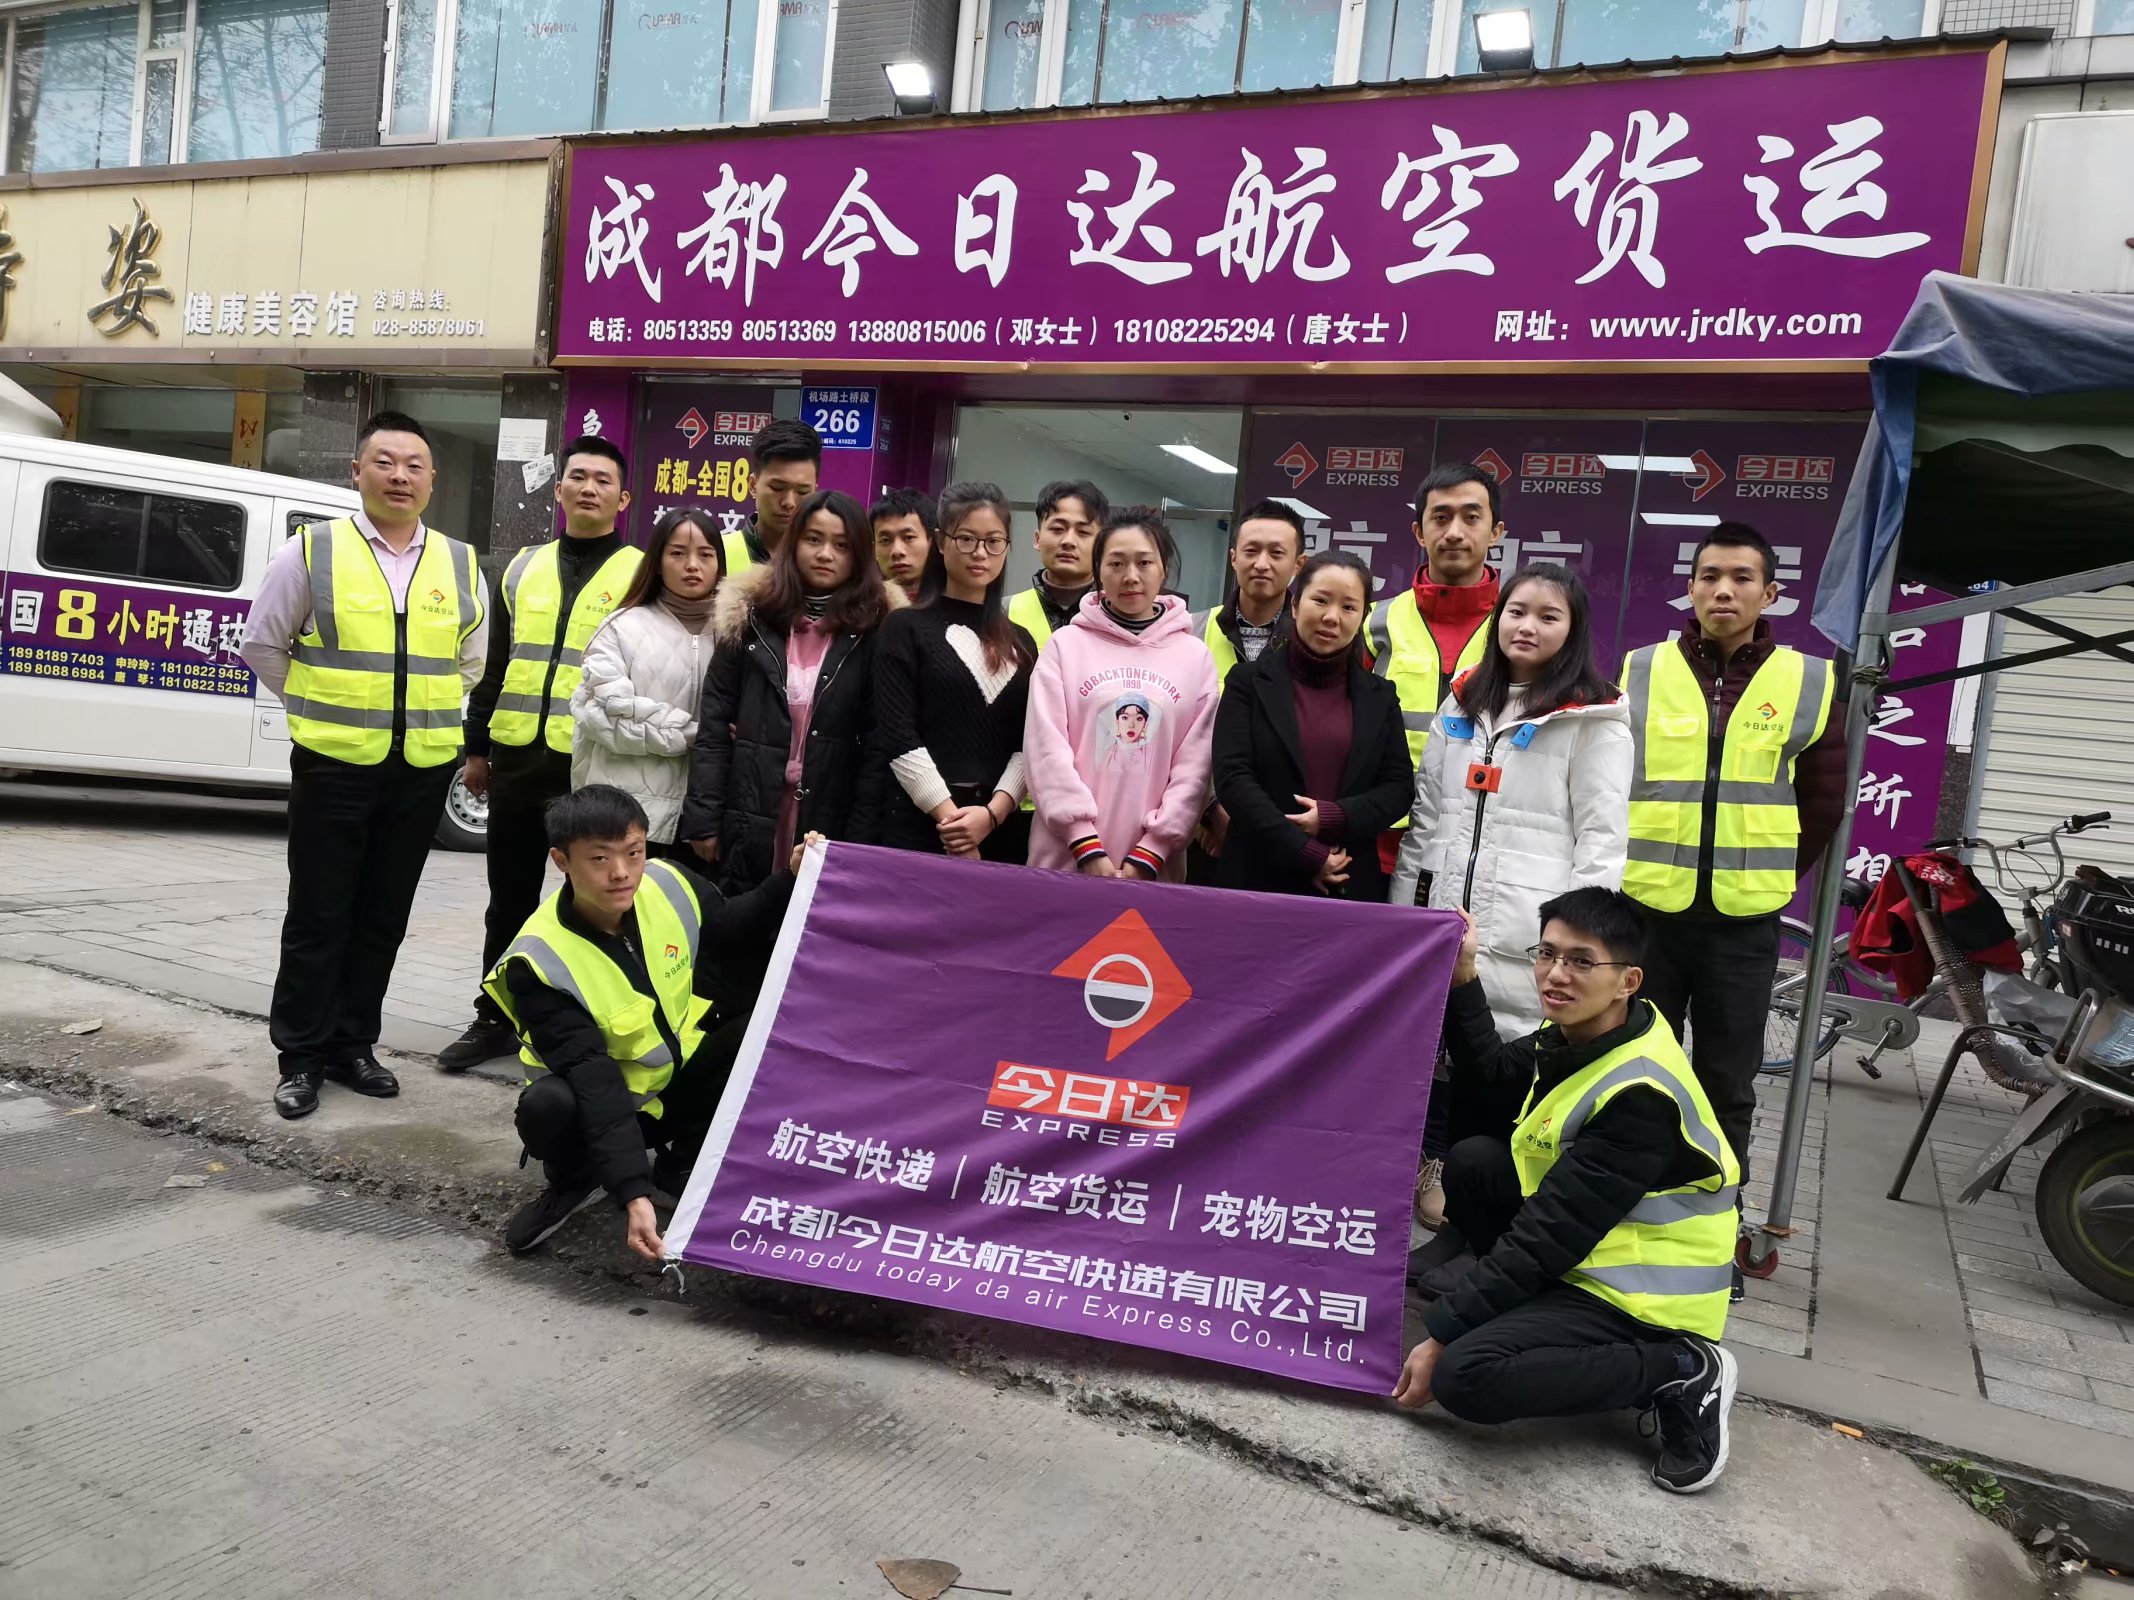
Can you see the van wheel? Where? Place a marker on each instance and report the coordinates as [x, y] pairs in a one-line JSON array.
[[465, 824]]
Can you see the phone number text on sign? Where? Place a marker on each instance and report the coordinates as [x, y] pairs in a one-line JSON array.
[[172, 640]]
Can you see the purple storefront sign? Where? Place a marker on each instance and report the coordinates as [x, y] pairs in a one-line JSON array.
[[1784, 213], [1142, 1112], [121, 633]]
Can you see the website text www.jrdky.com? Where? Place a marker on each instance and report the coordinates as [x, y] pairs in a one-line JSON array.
[[1736, 322]]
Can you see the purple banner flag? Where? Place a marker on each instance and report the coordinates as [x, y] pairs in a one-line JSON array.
[[1786, 214], [1182, 1118]]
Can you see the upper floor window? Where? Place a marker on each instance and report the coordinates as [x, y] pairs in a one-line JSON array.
[[1082, 52], [156, 81], [476, 69]]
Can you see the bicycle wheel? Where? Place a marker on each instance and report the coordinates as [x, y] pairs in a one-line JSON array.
[[1782, 1021]]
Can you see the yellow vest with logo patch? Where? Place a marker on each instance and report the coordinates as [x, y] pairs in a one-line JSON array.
[[1404, 650], [544, 670]]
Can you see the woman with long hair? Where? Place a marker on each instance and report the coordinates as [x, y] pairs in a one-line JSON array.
[[635, 709], [1524, 787], [784, 738], [1311, 757], [951, 684], [1122, 716]]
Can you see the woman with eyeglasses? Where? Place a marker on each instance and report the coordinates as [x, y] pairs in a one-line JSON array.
[[1122, 717], [1524, 787], [951, 682]]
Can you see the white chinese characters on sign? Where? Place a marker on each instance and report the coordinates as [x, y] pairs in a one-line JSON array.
[[984, 240], [617, 237], [1838, 187], [1127, 228], [740, 227], [856, 225], [1261, 223], [1441, 233], [1630, 217]]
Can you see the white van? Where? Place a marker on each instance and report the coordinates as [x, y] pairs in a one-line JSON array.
[[127, 580]]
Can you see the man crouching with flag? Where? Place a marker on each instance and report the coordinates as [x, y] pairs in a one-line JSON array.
[[628, 1018], [1602, 1219]]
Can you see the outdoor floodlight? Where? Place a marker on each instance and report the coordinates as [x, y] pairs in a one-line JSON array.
[[1504, 40], [912, 82]]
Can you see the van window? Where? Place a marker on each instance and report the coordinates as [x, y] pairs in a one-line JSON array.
[[300, 520], [128, 533]]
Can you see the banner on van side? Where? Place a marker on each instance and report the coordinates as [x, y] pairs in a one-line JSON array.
[[123, 633]]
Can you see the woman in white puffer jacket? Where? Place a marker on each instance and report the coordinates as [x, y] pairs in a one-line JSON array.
[[635, 710], [1524, 787]]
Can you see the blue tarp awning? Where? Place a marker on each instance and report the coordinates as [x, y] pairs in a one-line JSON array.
[[2013, 483]]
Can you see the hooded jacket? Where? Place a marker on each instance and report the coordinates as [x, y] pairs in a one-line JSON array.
[[1119, 738], [737, 773], [636, 710], [1559, 819]]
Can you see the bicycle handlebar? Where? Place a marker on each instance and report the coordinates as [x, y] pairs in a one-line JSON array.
[[2096, 819]]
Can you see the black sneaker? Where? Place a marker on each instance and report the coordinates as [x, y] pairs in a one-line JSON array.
[[537, 1221], [485, 1040], [1435, 1268], [1691, 1414], [670, 1176]]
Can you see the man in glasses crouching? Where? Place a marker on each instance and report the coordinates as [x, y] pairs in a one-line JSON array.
[[1600, 1208]]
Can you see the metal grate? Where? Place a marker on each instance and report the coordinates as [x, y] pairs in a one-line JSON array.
[[1978, 16]]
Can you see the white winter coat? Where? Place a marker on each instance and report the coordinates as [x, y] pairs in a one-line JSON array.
[[1560, 819], [635, 710]]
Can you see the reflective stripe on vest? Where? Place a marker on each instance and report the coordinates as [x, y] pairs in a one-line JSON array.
[[1756, 823], [668, 931], [1027, 612], [1669, 1262], [1218, 642], [734, 548], [1403, 649], [543, 671], [340, 697]]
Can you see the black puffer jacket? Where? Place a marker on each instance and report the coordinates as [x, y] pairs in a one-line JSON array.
[[737, 772]]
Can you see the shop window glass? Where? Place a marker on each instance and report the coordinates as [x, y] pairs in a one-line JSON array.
[[1289, 44], [123, 533], [159, 104], [1168, 49], [668, 66], [2115, 16], [193, 424], [1015, 37], [1880, 19], [525, 67], [1180, 49], [461, 420], [801, 51], [1078, 69], [414, 66], [71, 104], [257, 70], [1396, 39], [1596, 32]]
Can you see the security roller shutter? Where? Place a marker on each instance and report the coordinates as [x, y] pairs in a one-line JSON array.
[[2062, 736]]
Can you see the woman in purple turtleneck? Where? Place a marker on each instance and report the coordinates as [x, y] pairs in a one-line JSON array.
[[1311, 758]]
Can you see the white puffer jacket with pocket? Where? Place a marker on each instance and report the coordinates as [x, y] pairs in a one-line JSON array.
[[635, 710], [1559, 819]]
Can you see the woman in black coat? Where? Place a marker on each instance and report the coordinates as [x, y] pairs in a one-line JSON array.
[[1311, 758], [785, 744]]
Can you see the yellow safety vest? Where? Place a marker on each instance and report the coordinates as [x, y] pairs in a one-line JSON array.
[[1027, 612], [544, 668], [1757, 822], [736, 553], [344, 686], [1670, 1262], [668, 920], [1403, 649], [1218, 643]]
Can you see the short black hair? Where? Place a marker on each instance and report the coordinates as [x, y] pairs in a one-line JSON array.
[[1450, 475], [785, 439], [1269, 511], [599, 811], [1609, 917], [906, 503], [1093, 499], [1150, 521], [1737, 536], [390, 422], [591, 444]]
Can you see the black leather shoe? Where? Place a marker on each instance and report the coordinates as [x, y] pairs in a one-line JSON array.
[[483, 1041], [297, 1095], [364, 1075]]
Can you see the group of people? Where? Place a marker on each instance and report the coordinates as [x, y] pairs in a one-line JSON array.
[[670, 725]]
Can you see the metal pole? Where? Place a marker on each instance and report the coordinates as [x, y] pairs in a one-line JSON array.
[[1871, 666]]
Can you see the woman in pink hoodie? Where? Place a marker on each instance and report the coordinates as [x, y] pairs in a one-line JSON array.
[[1122, 717]]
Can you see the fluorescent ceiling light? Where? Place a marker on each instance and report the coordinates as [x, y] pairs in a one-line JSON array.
[[1504, 31], [910, 80], [1200, 458], [1680, 519], [1681, 464], [1308, 513]]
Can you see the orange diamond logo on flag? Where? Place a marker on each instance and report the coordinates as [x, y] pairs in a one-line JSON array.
[[1129, 982]]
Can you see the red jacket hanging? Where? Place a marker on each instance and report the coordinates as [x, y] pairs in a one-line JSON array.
[[1886, 937]]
